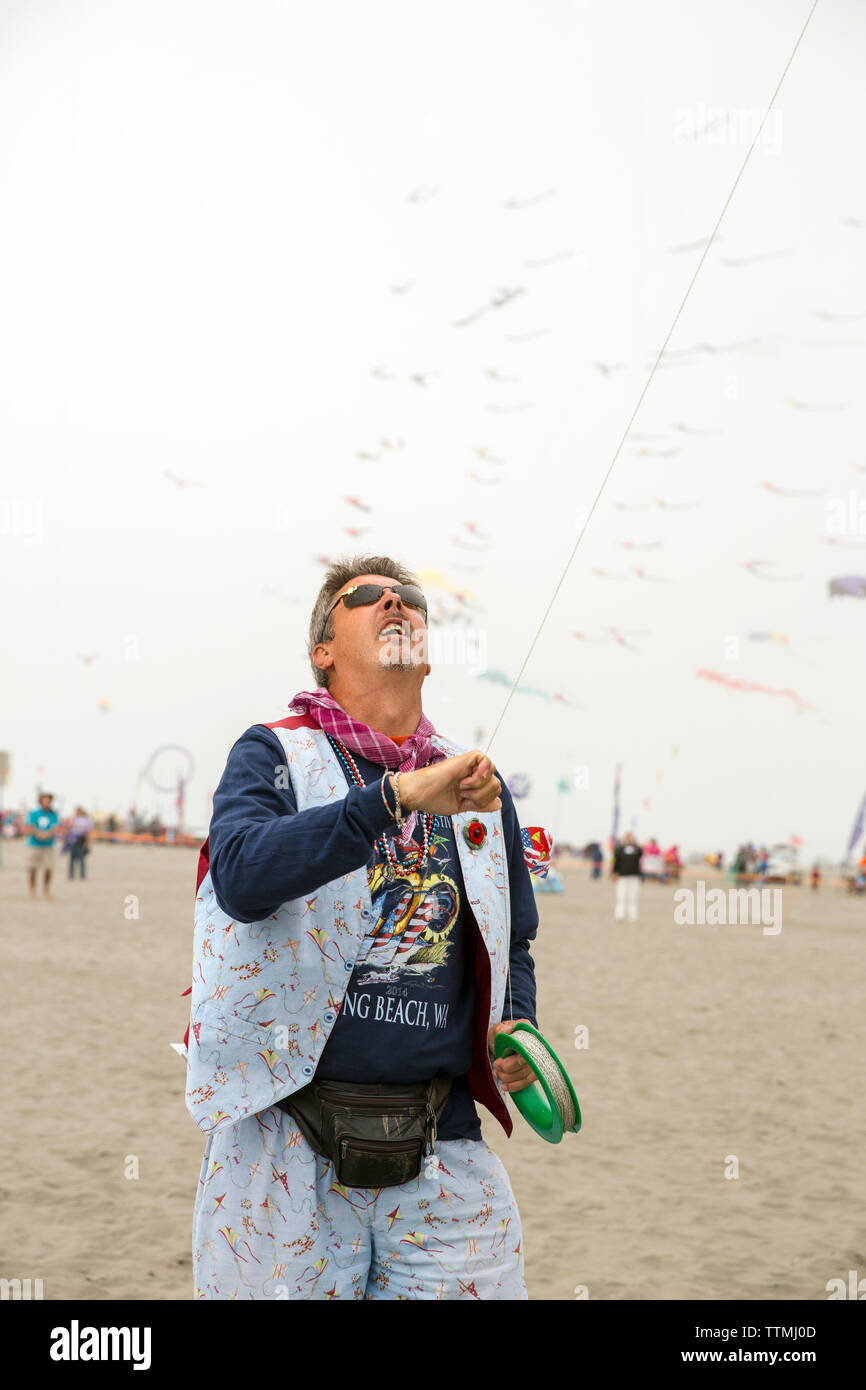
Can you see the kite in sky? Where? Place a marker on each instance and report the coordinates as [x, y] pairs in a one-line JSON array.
[[486, 455], [691, 245], [750, 687], [659, 453], [677, 357], [755, 568], [812, 405], [642, 574], [514, 203], [356, 502], [500, 678], [526, 337], [792, 491], [181, 482], [734, 262], [640, 545], [476, 478], [496, 301], [464, 544], [689, 429], [851, 585], [836, 318], [435, 579], [768, 637], [549, 260]]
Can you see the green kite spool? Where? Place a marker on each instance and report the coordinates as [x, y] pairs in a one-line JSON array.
[[548, 1104]]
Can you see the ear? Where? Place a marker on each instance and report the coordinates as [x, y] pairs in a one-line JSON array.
[[322, 656]]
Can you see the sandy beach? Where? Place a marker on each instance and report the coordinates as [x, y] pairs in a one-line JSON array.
[[711, 1049]]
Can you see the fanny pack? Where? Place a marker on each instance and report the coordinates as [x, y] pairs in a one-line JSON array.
[[375, 1136]]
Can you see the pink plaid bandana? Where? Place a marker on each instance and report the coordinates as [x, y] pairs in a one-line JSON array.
[[416, 751]]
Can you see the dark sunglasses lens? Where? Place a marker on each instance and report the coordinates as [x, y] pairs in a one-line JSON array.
[[365, 593], [414, 597]]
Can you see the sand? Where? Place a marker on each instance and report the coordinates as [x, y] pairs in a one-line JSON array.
[[710, 1049]]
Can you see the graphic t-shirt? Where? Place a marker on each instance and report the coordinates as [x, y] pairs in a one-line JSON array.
[[42, 820], [410, 1001]]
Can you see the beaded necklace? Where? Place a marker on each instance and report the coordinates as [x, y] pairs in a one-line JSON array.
[[412, 856]]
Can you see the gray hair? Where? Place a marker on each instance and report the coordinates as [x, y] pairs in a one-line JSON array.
[[336, 575]]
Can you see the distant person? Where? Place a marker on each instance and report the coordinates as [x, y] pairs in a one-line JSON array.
[[76, 842], [130, 824], [815, 878], [596, 859], [653, 865], [42, 823], [673, 863], [112, 825], [741, 865], [626, 871]]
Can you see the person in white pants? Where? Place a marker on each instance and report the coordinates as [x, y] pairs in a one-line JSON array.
[[626, 871]]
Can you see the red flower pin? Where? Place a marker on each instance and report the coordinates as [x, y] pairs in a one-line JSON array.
[[475, 834]]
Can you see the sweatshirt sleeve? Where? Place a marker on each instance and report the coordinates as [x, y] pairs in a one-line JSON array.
[[524, 918], [263, 851]]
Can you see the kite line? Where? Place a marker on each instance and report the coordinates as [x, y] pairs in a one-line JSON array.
[[648, 382]]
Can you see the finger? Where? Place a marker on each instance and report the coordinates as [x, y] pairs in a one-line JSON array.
[[478, 774]]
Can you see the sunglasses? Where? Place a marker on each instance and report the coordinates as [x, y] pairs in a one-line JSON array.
[[364, 594]]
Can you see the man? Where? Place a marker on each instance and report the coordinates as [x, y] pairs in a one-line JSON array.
[[340, 947], [626, 871], [41, 843]]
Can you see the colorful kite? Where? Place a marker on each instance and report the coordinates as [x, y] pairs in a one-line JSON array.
[[850, 585], [500, 678], [519, 785], [750, 687]]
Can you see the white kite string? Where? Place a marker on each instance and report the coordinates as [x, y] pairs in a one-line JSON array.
[[648, 381], [639, 403]]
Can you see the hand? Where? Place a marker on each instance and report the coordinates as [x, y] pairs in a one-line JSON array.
[[512, 1073], [464, 783]]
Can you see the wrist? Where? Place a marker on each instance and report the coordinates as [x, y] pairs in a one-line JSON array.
[[408, 791]]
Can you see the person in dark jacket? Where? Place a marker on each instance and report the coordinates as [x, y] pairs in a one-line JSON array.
[[626, 871]]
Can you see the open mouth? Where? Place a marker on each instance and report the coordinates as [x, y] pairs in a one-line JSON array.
[[394, 628]]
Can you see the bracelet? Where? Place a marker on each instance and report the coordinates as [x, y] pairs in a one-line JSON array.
[[397, 813], [399, 817]]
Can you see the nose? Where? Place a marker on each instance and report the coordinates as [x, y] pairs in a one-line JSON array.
[[392, 600]]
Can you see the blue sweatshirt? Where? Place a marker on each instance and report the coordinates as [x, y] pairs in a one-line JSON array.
[[409, 1009]]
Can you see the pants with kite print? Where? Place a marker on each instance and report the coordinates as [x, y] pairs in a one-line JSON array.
[[271, 1221]]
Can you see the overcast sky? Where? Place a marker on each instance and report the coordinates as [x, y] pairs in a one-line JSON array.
[[238, 247]]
